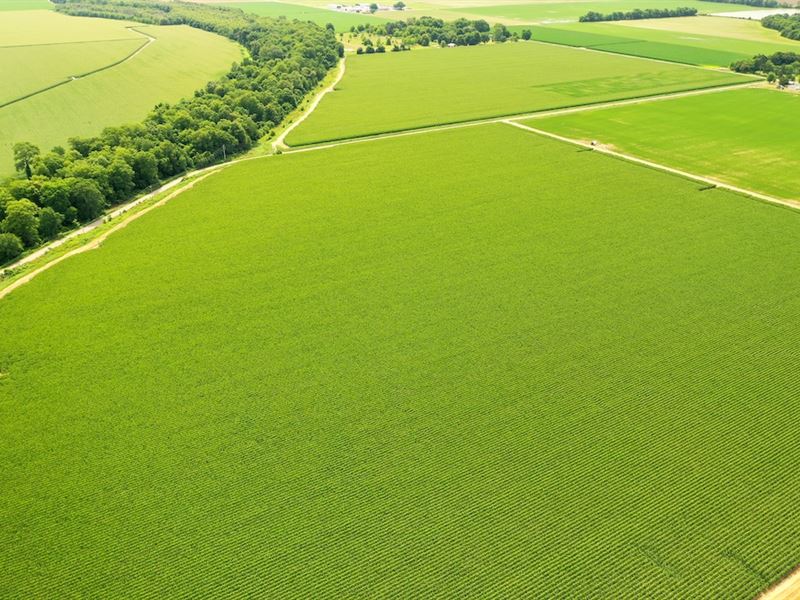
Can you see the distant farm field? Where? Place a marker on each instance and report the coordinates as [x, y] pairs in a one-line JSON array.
[[738, 136], [714, 41], [474, 363], [559, 12], [180, 61], [14, 5], [395, 91], [322, 16]]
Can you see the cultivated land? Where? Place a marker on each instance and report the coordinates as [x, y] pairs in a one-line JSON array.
[[13, 5], [739, 136], [715, 41], [557, 12], [421, 88], [180, 61], [508, 368], [341, 21]]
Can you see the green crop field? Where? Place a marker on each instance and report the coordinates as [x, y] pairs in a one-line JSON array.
[[738, 136], [470, 363], [397, 91], [715, 41], [557, 12], [180, 61], [341, 21]]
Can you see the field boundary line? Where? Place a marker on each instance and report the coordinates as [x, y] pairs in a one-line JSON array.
[[150, 39], [658, 166], [722, 87], [787, 588], [97, 242], [279, 143]]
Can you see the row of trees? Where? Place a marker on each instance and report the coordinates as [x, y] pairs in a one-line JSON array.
[[73, 184], [759, 3], [782, 67], [638, 13], [425, 31], [787, 25]]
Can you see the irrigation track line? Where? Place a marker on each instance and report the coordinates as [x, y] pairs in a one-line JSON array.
[[786, 589], [279, 143], [70, 79], [658, 166], [95, 243]]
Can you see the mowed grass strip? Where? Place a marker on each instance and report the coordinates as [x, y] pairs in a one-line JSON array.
[[180, 61], [57, 63], [469, 363], [740, 137], [714, 41], [396, 91]]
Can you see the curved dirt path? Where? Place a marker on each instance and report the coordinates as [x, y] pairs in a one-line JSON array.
[[279, 143], [95, 243]]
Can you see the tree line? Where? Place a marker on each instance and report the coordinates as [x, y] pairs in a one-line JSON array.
[[72, 184], [787, 25], [759, 3], [638, 13], [782, 67], [424, 31]]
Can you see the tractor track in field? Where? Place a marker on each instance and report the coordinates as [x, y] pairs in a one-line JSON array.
[[150, 40]]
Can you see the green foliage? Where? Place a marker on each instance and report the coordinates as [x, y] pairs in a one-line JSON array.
[[226, 118], [466, 364], [22, 220], [783, 66], [426, 30], [787, 25], [418, 89], [10, 247], [638, 13], [49, 223], [759, 3]]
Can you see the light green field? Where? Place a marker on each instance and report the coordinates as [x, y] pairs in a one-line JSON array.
[[340, 21], [180, 61], [474, 363], [738, 136], [715, 41], [558, 12], [36, 27], [428, 87], [14, 5], [56, 63]]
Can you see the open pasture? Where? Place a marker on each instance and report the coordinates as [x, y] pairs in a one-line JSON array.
[[396, 91], [472, 363], [741, 137], [322, 16], [180, 61], [16, 5], [560, 12], [714, 41]]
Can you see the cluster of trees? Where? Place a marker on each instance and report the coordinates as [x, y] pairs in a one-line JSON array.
[[425, 31], [759, 3], [787, 25], [782, 67], [638, 13], [73, 184]]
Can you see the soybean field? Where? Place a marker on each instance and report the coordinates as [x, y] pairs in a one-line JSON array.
[[509, 368]]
